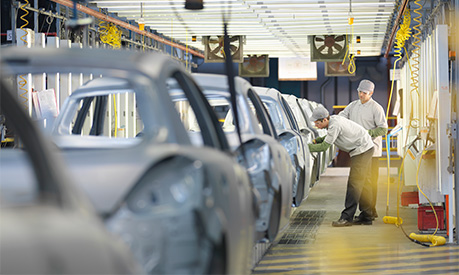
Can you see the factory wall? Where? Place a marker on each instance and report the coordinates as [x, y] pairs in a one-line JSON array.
[[329, 91]]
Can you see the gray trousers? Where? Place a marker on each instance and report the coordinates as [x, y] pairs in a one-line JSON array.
[[373, 182], [358, 187]]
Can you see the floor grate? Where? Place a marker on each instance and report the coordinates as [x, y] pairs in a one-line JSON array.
[[302, 228]]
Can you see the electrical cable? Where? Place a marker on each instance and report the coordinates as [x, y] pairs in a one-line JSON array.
[[350, 47], [435, 240], [415, 69], [24, 95], [401, 36], [109, 34]]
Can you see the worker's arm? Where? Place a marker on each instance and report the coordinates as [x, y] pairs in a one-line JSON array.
[[318, 140], [380, 131], [318, 147], [345, 112]]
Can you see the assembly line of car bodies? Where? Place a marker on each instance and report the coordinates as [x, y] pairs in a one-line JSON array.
[[173, 183]]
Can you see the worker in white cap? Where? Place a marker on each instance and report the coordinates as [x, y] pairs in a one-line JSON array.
[[350, 137], [370, 115]]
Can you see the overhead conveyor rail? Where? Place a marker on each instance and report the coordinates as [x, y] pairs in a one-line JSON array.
[[157, 43], [128, 26]]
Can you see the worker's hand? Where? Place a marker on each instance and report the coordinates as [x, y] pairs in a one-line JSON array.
[[371, 132]]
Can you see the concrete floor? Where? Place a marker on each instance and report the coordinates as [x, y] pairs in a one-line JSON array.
[[379, 248]]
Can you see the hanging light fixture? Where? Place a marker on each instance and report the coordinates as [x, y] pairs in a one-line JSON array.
[[194, 4], [141, 19]]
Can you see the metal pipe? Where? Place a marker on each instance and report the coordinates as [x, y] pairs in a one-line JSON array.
[[336, 90], [58, 22], [349, 90], [14, 14], [127, 26], [44, 12], [322, 90], [304, 89], [35, 17], [394, 28]]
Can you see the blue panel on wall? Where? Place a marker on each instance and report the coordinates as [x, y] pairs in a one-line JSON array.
[[321, 90], [272, 81]]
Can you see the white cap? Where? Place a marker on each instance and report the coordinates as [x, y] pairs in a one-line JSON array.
[[366, 86], [319, 113]]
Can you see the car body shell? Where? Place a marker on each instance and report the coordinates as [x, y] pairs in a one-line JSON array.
[[47, 225], [271, 171], [305, 130], [205, 209], [290, 137]]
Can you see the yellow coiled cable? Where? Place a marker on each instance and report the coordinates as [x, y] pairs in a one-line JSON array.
[[417, 40], [110, 34], [23, 81], [402, 35], [436, 240], [351, 67]]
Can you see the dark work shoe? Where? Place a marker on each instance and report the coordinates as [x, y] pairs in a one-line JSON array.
[[360, 220], [341, 223], [374, 214]]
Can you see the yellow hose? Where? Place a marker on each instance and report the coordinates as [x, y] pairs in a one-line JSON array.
[[430, 203], [402, 35], [417, 40], [23, 82], [435, 240], [351, 67], [110, 34]]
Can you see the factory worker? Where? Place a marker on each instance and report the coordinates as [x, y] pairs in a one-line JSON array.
[[370, 115], [350, 137]]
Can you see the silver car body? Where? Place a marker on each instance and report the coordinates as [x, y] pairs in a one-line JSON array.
[[47, 226], [305, 130], [182, 209], [290, 138], [267, 161]]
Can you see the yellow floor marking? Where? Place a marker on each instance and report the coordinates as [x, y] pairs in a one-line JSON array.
[[308, 250], [346, 260], [439, 268], [326, 270], [449, 264], [410, 263], [308, 247]]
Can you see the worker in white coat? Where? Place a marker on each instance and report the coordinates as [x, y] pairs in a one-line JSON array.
[[370, 115], [350, 137]]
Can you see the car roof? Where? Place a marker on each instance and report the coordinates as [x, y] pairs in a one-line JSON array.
[[58, 59], [218, 82]]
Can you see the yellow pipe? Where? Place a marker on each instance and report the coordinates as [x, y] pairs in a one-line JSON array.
[[435, 240], [392, 220]]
